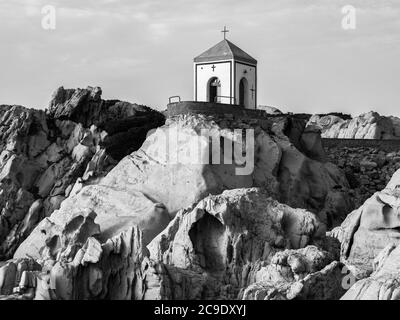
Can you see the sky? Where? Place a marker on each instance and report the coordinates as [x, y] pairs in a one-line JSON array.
[[142, 51]]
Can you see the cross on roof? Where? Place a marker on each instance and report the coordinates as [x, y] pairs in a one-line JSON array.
[[224, 32]]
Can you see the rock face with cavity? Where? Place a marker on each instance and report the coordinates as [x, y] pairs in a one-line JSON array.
[[226, 242], [43, 155], [217, 249], [170, 220], [369, 125]]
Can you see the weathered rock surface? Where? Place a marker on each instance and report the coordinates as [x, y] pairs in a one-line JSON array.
[[279, 167], [383, 283], [43, 155], [308, 273], [213, 250], [116, 211], [370, 125], [367, 169], [212, 229], [74, 264], [369, 229], [270, 110], [224, 244]]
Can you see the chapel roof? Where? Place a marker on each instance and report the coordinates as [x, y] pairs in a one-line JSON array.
[[225, 50]]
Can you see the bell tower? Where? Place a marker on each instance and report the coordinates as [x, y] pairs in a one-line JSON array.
[[226, 74]]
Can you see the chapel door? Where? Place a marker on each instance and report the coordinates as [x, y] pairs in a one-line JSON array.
[[213, 90]]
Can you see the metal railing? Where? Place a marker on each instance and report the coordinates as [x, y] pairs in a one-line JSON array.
[[228, 97]]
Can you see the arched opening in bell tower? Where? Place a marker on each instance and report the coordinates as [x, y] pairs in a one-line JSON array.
[[243, 93], [214, 89]]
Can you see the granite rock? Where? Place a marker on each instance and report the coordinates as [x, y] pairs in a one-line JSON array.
[[43, 154]]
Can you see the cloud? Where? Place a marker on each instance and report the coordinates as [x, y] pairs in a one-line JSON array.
[[148, 45], [159, 31]]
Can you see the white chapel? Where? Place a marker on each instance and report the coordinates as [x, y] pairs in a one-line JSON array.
[[226, 74]]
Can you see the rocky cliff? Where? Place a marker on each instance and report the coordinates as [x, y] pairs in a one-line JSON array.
[[45, 155], [369, 245], [176, 210], [370, 125], [153, 226]]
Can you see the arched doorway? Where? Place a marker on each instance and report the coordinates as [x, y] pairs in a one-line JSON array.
[[243, 93], [214, 89]]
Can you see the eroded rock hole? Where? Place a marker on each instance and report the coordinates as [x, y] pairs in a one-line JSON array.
[[210, 243], [54, 245], [74, 224]]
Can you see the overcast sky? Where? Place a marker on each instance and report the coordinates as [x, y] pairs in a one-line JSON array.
[[142, 51]]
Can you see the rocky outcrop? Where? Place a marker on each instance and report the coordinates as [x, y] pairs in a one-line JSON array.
[[228, 207], [213, 250], [370, 125], [383, 283], [125, 124], [369, 229], [308, 273], [44, 154], [270, 110], [274, 163], [226, 242], [74, 264], [116, 211]]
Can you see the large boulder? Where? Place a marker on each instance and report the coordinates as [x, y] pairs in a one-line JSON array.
[[168, 168], [213, 250], [307, 273], [150, 182], [90, 249], [81, 267], [369, 229], [116, 211], [226, 239]]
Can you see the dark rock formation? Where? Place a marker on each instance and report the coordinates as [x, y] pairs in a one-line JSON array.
[[126, 124], [368, 170], [44, 154]]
